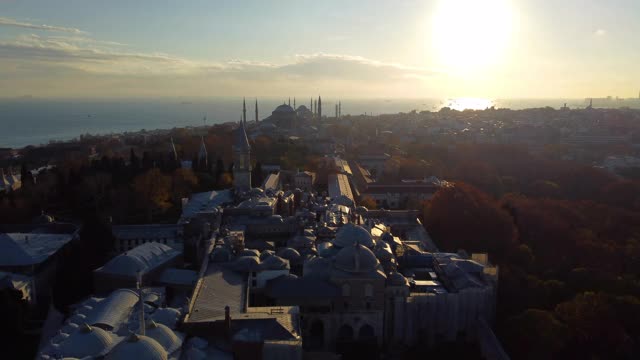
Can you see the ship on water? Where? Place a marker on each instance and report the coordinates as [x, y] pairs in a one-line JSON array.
[[614, 102]]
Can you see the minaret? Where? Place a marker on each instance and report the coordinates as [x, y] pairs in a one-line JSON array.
[[339, 108], [336, 111], [311, 105], [139, 286], [173, 153], [202, 155], [294, 103], [289, 101], [256, 110], [244, 111], [319, 107], [242, 160], [315, 107]]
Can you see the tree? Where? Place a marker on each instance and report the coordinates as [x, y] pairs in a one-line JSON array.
[[184, 181], [256, 175], [462, 217], [152, 190], [535, 334]]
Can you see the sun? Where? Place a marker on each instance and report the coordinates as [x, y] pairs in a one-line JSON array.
[[468, 35]]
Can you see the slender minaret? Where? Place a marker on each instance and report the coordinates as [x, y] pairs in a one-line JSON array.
[[294, 103], [256, 110], [289, 101], [336, 111], [315, 107], [244, 111], [311, 105], [339, 108], [173, 152], [319, 107], [139, 286]]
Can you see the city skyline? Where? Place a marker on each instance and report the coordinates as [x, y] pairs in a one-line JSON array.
[[433, 49]]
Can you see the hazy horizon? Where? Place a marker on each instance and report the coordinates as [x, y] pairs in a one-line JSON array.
[[497, 49]]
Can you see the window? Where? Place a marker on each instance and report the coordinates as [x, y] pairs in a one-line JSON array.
[[368, 290], [346, 290]]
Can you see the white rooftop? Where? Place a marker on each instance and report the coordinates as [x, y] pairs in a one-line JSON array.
[[23, 249]]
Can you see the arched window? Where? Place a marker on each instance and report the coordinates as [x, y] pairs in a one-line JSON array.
[[346, 290], [368, 290], [366, 333], [345, 333]]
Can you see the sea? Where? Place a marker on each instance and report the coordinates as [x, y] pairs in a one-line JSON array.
[[32, 121]]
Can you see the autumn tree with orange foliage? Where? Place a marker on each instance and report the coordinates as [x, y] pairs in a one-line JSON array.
[[152, 189], [462, 217]]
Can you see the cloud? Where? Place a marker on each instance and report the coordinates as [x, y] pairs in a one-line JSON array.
[[84, 65], [600, 32], [21, 24]]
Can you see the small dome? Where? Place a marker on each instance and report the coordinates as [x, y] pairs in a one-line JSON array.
[[396, 279], [167, 316], [164, 336], [77, 319], [387, 237], [138, 347], [290, 254], [220, 254], [351, 234], [275, 263], [266, 253], [357, 258], [249, 252], [87, 341], [43, 219]]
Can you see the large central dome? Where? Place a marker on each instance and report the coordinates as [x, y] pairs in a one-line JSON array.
[[356, 259], [351, 234], [284, 108]]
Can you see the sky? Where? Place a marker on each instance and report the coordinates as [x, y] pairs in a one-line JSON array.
[[351, 49]]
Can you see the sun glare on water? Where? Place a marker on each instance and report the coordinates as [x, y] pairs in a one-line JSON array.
[[468, 35]]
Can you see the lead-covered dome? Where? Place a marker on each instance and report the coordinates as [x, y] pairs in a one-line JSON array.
[[138, 347], [87, 341], [356, 259], [164, 336], [351, 234], [396, 279], [284, 108]]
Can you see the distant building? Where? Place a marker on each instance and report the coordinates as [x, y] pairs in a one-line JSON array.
[[128, 237], [305, 180]]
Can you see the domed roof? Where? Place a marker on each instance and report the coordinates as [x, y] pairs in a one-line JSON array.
[[284, 108], [138, 347], [357, 258], [351, 234], [266, 253], [275, 263], [125, 264], [167, 316], [387, 237], [396, 279], [77, 319], [220, 254], [86, 341], [383, 251], [288, 253], [164, 336], [43, 219], [249, 252]]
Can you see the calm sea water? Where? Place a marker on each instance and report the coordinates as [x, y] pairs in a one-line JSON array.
[[33, 121]]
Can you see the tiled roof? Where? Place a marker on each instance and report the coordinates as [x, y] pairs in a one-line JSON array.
[[219, 287], [140, 259]]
